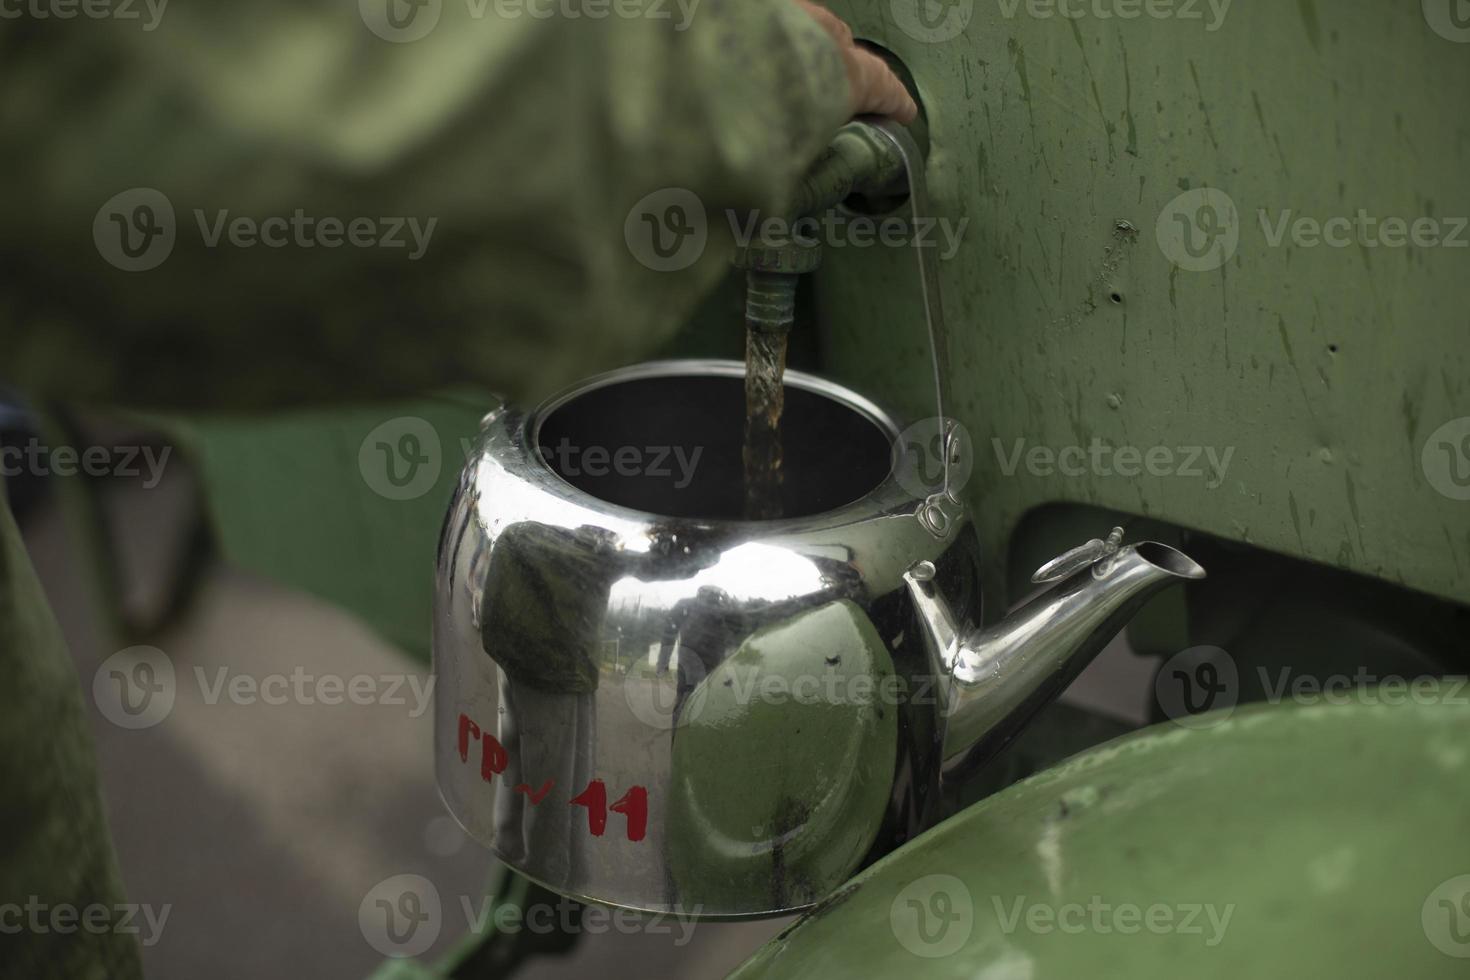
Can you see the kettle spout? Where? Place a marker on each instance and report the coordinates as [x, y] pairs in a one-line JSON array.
[[993, 681]]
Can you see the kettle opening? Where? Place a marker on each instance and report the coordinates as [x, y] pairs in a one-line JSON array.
[[666, 439]]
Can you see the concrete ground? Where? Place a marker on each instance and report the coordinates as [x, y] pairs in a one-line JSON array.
[[263, 827]]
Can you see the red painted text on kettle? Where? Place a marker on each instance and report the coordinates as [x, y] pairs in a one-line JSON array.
[[633, 805]]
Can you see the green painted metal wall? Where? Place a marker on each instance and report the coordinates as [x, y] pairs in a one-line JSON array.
[[305, 500], [1323, 371]]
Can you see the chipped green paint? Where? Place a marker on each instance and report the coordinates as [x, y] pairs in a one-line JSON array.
[[1325, 369], [1260, 845]]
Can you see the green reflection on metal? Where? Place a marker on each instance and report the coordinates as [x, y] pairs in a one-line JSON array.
[[784, 760]]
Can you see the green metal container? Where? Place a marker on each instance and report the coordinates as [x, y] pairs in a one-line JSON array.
[[1311, 841]]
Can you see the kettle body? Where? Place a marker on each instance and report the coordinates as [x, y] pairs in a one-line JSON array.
[[643, 699], [646, 701]]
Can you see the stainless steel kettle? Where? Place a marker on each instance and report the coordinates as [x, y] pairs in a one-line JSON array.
[[646, 701]]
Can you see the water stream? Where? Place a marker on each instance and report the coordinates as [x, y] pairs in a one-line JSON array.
[[765, 366]]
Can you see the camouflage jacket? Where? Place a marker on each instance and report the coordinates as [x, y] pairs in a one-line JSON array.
[[242, 206]]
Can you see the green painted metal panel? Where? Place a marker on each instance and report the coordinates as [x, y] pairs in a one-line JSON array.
[[1323, 371], [309, 500], [1281, 841]]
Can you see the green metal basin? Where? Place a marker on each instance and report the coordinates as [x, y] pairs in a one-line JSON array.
[[1283, 841]]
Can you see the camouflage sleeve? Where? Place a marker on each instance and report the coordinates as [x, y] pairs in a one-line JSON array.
[[55, 856], [245, 205]]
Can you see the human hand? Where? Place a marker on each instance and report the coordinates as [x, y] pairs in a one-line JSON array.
[[872, 85]]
